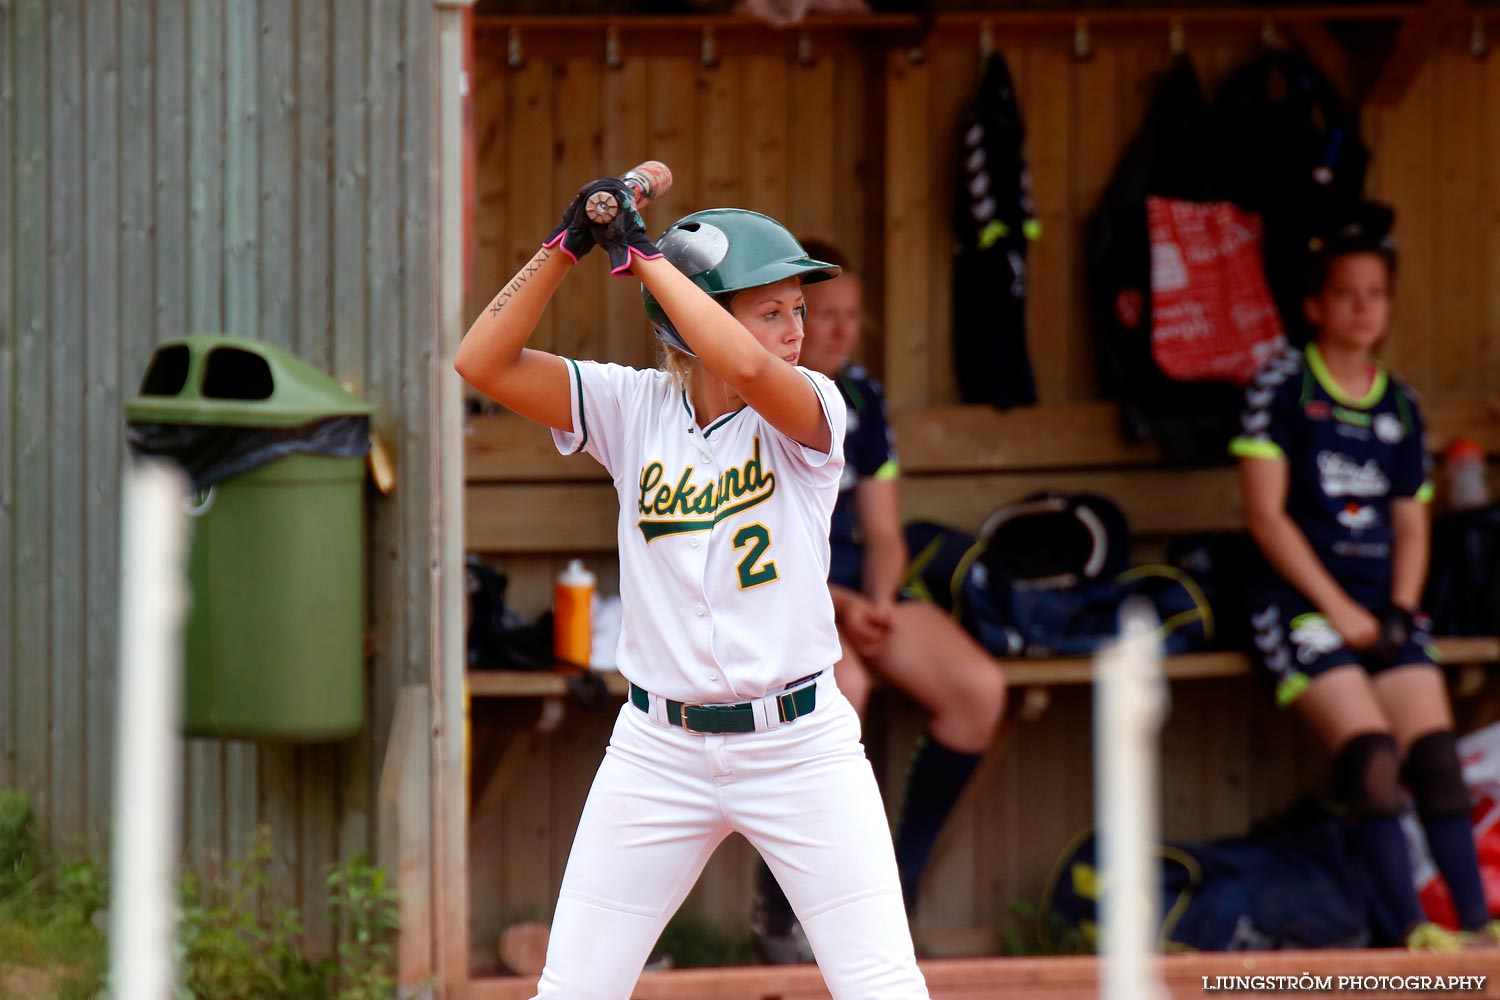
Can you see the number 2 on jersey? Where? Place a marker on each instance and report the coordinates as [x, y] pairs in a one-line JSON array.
[[758, 537]]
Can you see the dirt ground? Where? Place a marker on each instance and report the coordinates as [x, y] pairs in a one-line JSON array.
[[28, 983]]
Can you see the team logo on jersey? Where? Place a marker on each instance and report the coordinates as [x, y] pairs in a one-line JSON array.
[[1342, 476], [1318, 409], [687, 507], [1358, 517], [1388, 428], [1350, 431], [1313, 637]]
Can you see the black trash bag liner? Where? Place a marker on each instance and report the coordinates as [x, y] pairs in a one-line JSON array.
[[211, 454]]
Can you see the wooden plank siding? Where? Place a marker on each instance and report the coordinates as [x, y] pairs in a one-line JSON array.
[[262, 169], [855, 146], [7, 379]]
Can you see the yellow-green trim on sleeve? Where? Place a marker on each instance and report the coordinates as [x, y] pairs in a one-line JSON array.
[[890, 470], [1424, 493], [1248, 447]]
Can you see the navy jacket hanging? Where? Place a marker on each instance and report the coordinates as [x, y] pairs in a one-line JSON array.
[[993, 221], [1287, 147]]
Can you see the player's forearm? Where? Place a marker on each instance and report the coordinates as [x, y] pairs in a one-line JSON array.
[[885, 562], [1409, 555], [494, 342], [843, 598], [715, 336], [1290, 554]]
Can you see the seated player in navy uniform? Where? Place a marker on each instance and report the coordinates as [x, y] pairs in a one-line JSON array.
[[1333, 471], [911, 645]]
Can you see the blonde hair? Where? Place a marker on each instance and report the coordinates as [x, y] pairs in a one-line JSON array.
[[678, 365]]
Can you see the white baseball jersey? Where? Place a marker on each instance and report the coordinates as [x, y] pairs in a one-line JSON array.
[[723, 535]]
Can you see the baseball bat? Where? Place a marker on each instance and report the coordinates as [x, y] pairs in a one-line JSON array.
[[647, 182]]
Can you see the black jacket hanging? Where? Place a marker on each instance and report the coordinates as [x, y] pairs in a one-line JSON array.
[[994, 219], [1287, 147]]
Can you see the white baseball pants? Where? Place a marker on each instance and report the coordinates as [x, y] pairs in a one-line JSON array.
[[803, 794]]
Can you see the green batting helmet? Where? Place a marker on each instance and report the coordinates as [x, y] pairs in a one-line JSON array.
[[726, 250]]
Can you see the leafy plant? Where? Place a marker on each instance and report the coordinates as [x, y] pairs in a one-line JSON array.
[[228, 952], [17, 843], [695, 943], [1031, 930], [48, 939], [367, 913], [230, 945]]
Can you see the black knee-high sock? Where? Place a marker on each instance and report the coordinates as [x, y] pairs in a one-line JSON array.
[[1436, 779], [933, 783], [1451, 840], [1382, 849]]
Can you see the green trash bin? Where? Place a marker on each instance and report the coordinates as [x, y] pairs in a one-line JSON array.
[[275, 449]]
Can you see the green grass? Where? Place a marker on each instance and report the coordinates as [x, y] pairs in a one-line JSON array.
[[47, 953], [51, 910], [49, 946]]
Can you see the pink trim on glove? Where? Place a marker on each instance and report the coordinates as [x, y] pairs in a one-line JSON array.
[[558, 243], [624, 268]]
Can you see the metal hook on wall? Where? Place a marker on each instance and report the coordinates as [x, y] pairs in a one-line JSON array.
[[612, 58], [1479, 45], [1082, 46], [513, 55], [804, 48], [1270, 36], [986, 39], [708, 51], [1176, 37]]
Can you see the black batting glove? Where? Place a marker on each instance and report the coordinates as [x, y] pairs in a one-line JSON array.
[[575, 236], [625, 235], [1398, 626]]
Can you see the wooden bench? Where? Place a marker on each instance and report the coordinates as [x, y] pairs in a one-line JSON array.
[[1019, 673], [958, 464]]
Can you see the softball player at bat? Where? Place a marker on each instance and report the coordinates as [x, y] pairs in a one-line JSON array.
[[727, 463]]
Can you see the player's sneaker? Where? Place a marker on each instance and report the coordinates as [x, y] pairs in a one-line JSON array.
[[658, 961], [1428, 936]]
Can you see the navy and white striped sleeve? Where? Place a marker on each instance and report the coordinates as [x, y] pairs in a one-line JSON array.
[[1270, 409]]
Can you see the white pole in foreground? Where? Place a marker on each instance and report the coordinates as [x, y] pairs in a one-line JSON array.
[[153, 607], [1129, 708]]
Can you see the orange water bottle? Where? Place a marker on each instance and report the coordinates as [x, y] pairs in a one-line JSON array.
[[1464, 470], [572, 614]]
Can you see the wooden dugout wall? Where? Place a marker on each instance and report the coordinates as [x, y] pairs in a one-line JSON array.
[[855, 145]]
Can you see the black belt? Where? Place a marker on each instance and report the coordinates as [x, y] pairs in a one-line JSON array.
[[790, 706]]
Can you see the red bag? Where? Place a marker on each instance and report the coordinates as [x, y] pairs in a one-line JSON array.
[[1212, 315], [1480, 754]]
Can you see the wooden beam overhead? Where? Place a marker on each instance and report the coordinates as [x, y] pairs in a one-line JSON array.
[[1415, 40], [1329, 53]]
